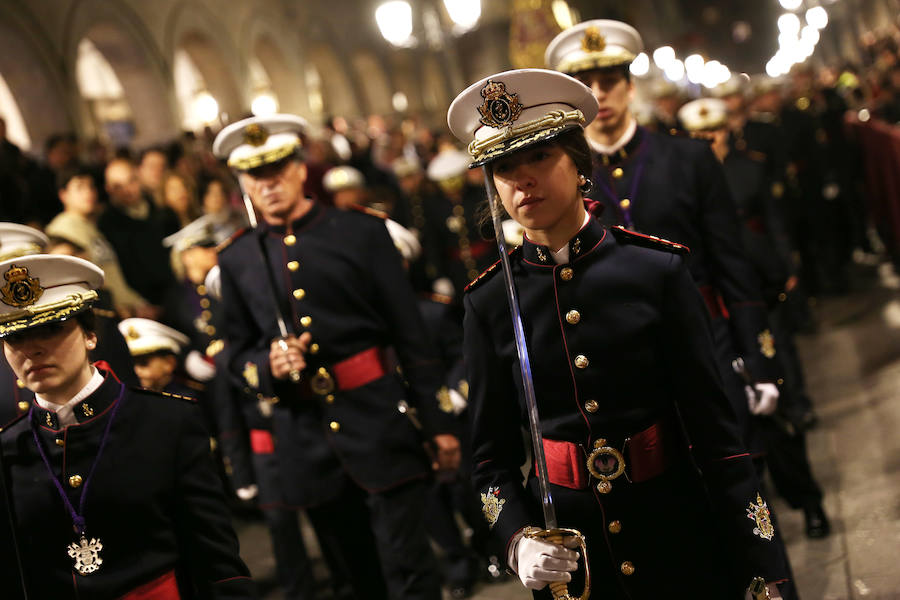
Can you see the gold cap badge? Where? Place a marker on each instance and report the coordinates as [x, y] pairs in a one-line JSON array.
[[255, 134], [132, 334], [21, 289], [500, 108], [593, 40]]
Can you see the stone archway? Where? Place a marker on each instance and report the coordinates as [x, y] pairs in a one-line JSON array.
[[287, 83], [374, 82], [207, 57], [36, 88], [338, 97], [122, 39]]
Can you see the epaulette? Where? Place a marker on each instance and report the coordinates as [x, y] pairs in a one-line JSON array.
[[227, 242], [626, 236], [440, 298], [13, 422], [166, 394], [369, 211], [486, 274]]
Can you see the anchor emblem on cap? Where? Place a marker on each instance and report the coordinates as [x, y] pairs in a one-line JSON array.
[[21, 289], [500, 108], [255, 134], [593, 40]]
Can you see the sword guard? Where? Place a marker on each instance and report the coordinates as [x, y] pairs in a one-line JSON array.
[[558, 536]]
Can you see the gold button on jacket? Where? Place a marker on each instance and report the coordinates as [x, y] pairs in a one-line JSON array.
[[75, 481], [581, 361], [299, 293], [566, 273], [627, 568], [618, 172], [591, 406], [293, 265], [290, 239], [335, 426], [615, 526], [572, 317]]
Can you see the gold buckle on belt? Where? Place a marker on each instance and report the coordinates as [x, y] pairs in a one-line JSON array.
[[322, 383], [605, 463]]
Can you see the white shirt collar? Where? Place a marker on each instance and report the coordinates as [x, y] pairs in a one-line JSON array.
[[65, 413], [561, 256], [619, 143]]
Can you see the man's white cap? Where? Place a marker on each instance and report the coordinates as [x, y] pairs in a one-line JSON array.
[[20, 240], [448, 164], [595, 44], [342, 178], [404, 166], [145, 336], [512, 110], [663, 88], [733, 85], [258, 141], [42, 288], [199, 232], [703, 114]]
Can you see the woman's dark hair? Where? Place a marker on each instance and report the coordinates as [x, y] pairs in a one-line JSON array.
[[87, 320]]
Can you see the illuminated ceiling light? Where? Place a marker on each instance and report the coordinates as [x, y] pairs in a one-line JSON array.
[[789, 23], [674, 71], [817, 17], [400, 102], [693, 64], [563, 14], [640, 66], [205, 108], [774, 67], [663, 56], [394, 20], [790, 4], [809, 34], [264, 104], [464, 13], [787, 40]]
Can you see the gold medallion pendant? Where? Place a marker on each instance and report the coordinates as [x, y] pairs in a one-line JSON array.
[[605, 463], [86, 555]]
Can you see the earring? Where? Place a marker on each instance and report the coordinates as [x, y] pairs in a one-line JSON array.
[[91, 345], [585, 185]]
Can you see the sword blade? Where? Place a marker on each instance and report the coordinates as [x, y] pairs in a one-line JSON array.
[[534, 423]]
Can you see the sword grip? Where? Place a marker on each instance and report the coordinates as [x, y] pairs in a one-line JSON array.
[[560, 589]]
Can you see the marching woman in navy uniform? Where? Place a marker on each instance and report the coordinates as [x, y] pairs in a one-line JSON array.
[[642, 448], [105, 508]]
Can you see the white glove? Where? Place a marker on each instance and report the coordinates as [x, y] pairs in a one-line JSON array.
[[459, 403], [443, 286], [213, 283], [198, 367], [247, 493], [764, 400], [513, 233], [539, 563], [405, 240]]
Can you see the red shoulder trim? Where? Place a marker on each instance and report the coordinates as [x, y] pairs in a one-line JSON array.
[[487, 272], [369, 211], [224, 244], [648, 241]]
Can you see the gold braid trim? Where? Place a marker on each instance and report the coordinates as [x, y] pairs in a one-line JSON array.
[[552, 120], [596, 61], [264, 158], [49, 313]]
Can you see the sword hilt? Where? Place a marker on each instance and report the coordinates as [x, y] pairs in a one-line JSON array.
[[558, 536]]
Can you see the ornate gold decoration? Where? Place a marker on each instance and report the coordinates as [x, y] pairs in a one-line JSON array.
[[500, 108], [251, 374], [492, 505], [215, 347], [444, 401], [605, 463], [132, 334], [542, 256], [322, 383], [759, 512], [86, 555], [593, 40], [527, 133], [766, 343], [255, 134], [576, 246], [21, 290]]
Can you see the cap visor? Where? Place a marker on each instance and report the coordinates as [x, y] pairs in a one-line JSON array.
[[520, 143]]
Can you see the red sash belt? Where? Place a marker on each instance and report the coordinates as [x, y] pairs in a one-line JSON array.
[[714, 302], [261, 441], [360, 369], [161, 588], [647, 454]]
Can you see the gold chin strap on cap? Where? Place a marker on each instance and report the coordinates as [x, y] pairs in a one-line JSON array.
[[559, 536], [552, 119]]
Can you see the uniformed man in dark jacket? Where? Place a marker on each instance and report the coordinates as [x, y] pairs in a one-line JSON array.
[[769, 251], [337, 281]]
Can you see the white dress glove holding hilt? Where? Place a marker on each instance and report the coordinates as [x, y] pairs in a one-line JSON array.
[[762, 398], [539, 563]]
